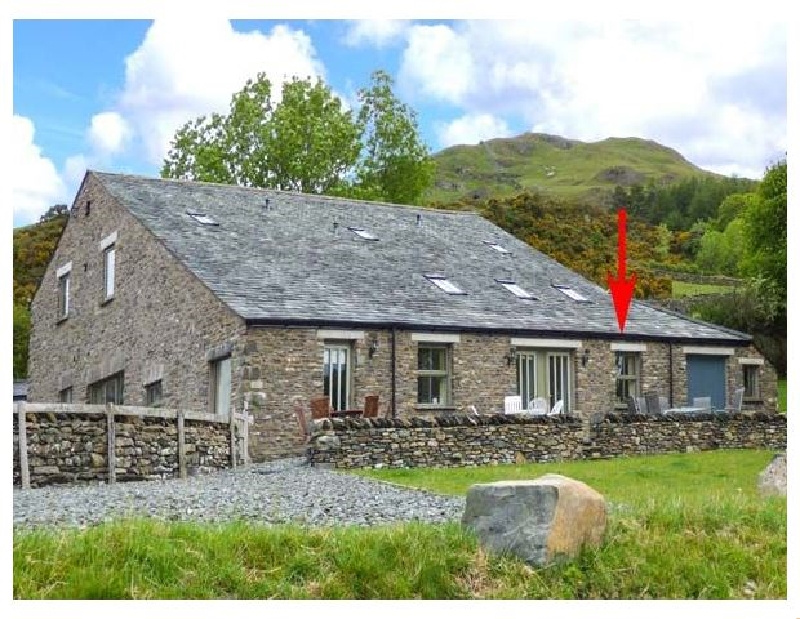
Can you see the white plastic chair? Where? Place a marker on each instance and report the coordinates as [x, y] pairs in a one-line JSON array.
[[558, 408], [736, 406], [538, 406], [513, 404]]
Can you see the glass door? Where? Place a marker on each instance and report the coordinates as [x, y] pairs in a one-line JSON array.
[[526, 378], [558, 379], [335, 376]]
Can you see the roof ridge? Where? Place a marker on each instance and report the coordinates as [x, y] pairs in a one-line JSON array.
[[427, 209], [654, 306]]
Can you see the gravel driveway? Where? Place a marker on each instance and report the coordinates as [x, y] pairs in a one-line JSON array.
[[277, 492]]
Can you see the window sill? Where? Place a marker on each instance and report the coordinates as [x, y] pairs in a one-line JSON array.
[[106, 301]]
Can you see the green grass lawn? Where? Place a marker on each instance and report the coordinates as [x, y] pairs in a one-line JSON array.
[[688, 289], [782, 395], [680, 526]]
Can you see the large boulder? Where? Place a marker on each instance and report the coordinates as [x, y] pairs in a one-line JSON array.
[[772, 479], [541, 521]]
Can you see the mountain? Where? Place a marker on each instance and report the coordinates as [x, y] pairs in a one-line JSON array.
[[539, 162]]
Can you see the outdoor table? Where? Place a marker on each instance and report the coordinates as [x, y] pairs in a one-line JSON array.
[[686, 410], [347, 413]]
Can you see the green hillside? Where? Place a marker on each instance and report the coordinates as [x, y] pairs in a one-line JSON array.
[[539, 162]]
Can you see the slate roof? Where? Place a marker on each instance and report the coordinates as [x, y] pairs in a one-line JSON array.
[[289, 264]]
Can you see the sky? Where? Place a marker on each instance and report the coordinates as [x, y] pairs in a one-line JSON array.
[[109, 94]]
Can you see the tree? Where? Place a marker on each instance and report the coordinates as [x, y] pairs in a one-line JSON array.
[[22, 329], [395, 165], [721, 252], [308, 142], [765, 230]]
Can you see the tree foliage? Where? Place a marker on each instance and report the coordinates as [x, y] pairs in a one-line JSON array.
[[765, 230], [33, 248], [308, 142]]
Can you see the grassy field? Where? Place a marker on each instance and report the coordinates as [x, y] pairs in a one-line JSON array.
[[689, 289], [782, 395], [680, 526]]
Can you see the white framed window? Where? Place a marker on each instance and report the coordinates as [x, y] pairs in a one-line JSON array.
[[517, 290], [220, 401], [109, 389], [202, 218], [63, 295], [65, 396], [750, 380], [360, 232], [336, 374], [154, 393], [445, 284], [433, 374], [626, 375], [109, 271], [497, 247], [571, 293]]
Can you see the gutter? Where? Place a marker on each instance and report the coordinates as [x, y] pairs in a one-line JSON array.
[[543, 333]]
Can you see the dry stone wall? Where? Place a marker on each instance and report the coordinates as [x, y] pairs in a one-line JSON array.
[[460, 440], [73, 449]]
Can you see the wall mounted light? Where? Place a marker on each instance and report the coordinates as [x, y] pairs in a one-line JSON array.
[[373, 346], [585, 357], [511, 356]]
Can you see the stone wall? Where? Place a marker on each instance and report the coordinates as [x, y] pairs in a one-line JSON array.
[[159, 324], [72, 449], [460, 440]]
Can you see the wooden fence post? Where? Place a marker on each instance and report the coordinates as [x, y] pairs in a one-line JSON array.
[[181, 446], [111, 448], [24, 473]]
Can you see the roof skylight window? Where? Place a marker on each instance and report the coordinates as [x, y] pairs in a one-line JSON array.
[[571, 293], [497, 247], [363, 233], [202, 218], [516, 290], [445, 284]]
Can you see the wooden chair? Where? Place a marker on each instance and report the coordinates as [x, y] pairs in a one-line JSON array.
[[371, 406], [320, 407]]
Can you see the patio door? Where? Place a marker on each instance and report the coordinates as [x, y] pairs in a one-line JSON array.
[[336, 375], [558, 379], [526, 377], [706, 377]]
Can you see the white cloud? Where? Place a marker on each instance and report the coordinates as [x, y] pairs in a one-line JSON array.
[[108, 132], [35, 183], [376, 32], [692, 85], [181, 72], [471, 129]]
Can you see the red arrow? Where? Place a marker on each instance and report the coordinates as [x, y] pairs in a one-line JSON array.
[[621, 287]]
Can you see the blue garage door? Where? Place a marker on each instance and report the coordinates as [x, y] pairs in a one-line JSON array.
[[706, 375]]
